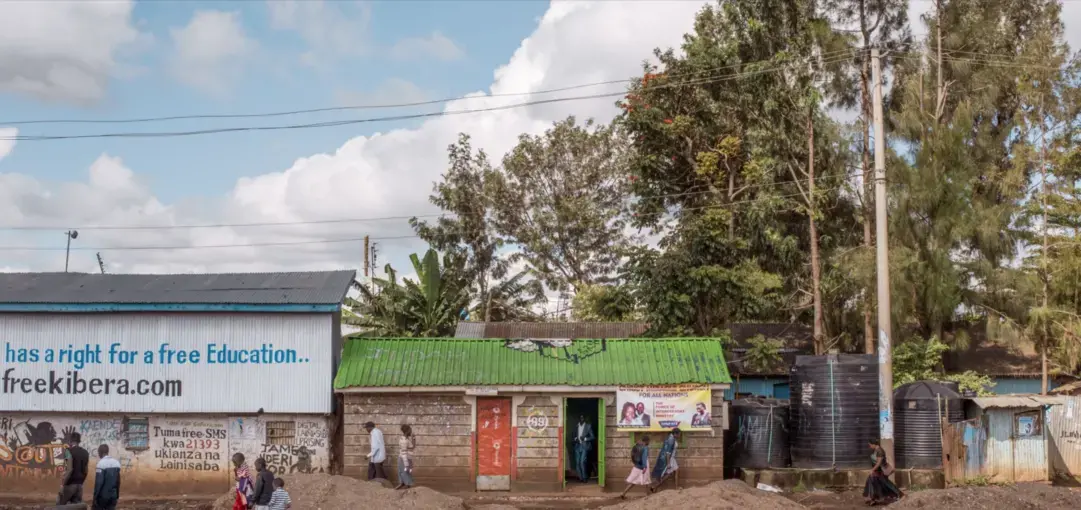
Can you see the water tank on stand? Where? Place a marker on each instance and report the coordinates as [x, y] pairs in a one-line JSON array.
[[917, 431], [833, 411], [758, 434]]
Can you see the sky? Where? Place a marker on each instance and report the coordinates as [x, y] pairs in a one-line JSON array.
[[95, 60]]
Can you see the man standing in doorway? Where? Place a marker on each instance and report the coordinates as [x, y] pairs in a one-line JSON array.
[[76, 463], [583, 444], [378, 453]]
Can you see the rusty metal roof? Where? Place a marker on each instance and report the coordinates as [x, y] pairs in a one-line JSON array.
[[550, 329], [1017, 401], [402, 362]]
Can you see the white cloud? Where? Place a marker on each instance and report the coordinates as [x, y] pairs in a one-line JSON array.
[[209, 52], [436, 46], [330, 29], [63, 51], [391, 91], [7, 144], [386, 174]]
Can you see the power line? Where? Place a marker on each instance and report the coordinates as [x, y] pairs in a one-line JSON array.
[[164, 134], [353, 220], [349, 239], [376, 106], [414, 116]]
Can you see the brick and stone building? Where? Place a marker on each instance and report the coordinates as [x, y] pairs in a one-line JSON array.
[[499, 414]]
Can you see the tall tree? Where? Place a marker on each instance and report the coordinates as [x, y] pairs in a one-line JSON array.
[[560, 197], [1050, 84], [718, 157], [467, 229], [957, 188], [873, 23]]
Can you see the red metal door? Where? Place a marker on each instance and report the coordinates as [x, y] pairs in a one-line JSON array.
[[493, 444]]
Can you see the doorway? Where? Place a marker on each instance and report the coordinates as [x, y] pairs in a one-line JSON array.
[[592, 409]]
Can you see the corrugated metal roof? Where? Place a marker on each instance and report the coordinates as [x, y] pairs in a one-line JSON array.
[[307, 288], [1017, 401], [399, 362], [468, 329], [550, 329]]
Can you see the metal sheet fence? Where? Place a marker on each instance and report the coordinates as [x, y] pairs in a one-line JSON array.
[[1064, 432]]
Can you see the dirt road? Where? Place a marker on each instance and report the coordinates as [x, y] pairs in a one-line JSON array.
[[323, 492]]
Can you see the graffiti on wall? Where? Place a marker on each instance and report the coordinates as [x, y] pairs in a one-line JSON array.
[[97, 432], [189, 445], [31, 449], [284, 459], [247, 429], [304, 450], [311, 434], [299, 457]]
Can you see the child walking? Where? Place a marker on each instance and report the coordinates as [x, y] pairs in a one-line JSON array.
[[280, 499], [640, 472]]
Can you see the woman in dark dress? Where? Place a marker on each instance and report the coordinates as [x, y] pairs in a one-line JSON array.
[[879, 489]]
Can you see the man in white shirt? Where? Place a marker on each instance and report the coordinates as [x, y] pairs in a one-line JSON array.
[[378, 453]]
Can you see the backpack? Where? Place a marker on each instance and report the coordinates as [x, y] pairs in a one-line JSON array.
[[636, 452]]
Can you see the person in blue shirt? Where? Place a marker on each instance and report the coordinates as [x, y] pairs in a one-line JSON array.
[[106, 481]]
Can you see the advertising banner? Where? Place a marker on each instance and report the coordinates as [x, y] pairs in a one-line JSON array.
[[167, 363], [661, 408]]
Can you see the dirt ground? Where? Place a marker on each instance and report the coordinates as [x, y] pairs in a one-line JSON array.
[[325, 492], [1015, 497]]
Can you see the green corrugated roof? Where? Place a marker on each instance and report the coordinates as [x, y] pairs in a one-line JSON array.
[[394, 362]]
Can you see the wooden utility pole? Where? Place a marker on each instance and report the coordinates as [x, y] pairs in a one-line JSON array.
[[367, 262], [882, 266]]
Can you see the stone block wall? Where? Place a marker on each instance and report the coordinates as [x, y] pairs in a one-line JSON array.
[[700, 455], [538, 450], [442, 425]]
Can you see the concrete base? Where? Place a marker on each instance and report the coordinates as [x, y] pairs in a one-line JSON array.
[[789, 479]]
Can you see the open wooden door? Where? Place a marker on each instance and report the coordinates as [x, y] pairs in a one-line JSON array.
[[601, 450]]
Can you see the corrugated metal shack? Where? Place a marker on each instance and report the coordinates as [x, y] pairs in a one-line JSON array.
[[1064, 429], [1005, 439], [502, 414], [175, 373]]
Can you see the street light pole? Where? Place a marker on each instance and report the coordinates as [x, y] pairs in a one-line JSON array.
[[71, 234]]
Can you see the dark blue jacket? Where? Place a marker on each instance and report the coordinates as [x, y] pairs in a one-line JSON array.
[[107, 483]]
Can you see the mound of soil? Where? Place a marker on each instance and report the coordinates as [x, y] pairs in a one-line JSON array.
[[726, 495], [328, 492], [1017, 497]]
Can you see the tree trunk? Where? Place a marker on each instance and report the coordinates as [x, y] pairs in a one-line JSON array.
[[731, 212], [1043, 253], [816, 268], [868, 238]]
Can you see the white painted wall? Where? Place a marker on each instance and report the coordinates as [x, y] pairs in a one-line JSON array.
[[166, 363]]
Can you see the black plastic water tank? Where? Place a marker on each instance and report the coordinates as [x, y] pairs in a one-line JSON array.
[[917, 431], [758, 434], [833, 410]]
